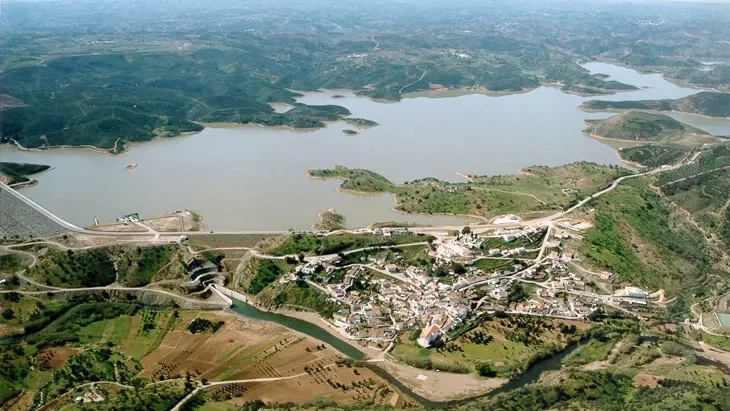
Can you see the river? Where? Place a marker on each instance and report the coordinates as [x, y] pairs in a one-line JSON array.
[[530, 376], [253, 178]]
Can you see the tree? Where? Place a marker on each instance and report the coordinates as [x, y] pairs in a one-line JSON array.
[[466, 230], [8, 314], [517, 293], [485, 370]]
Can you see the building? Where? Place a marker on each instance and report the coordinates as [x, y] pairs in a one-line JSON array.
[[391, 268], [632, 292], [429, 335]]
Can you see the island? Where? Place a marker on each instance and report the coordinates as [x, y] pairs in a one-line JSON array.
[[329, 221], [360, 122], [643, 126], [17, 173], [706, 103], [349, 132]]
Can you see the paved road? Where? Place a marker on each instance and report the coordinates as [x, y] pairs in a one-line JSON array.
[[54, 290]]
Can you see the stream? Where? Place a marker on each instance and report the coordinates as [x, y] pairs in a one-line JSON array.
[[532, 375]]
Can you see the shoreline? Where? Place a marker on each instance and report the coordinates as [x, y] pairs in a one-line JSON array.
[[395, 200], [313, 319], [620, 110], [629, 162]]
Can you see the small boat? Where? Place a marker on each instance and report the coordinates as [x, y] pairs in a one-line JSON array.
[[131, 166]]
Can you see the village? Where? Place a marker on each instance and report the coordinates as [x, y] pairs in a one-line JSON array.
[[459, 276]]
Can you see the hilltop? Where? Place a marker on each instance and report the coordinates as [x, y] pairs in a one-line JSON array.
[[641, 126], [706, 103]]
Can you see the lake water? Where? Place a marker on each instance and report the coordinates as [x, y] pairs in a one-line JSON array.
[[253, 178]]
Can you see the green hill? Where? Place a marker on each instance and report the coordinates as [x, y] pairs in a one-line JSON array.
[[19, 172], [706, 103], [641, 126]]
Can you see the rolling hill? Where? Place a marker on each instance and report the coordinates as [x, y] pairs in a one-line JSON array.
[[706, 103], [641, 126]]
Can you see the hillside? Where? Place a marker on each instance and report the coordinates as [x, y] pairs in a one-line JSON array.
[[706, 103], [13, 173], [703, 189], [641, 126]]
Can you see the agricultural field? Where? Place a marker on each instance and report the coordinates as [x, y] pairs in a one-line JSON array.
[[131, 345]]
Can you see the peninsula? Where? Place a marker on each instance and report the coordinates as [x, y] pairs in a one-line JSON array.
[[642, 126], [706, 103]]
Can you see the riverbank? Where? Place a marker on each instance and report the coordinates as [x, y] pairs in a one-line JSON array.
[[441, 386]]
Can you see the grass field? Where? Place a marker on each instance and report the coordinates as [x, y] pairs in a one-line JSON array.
[[722, 343], [594, 350], [509, 345], [228, 240]]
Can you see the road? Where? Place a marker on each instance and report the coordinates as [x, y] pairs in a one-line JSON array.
[[55, 290], [414, 82]]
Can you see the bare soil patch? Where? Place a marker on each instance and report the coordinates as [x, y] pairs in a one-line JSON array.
[[645, 381], [23, 402], [440, 386], [353, 386], [56, 357]]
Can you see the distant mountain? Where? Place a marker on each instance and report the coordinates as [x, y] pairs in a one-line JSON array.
[[641, 126], [707, 103]]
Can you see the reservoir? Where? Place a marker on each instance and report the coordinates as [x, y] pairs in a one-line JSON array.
[[253, 178]]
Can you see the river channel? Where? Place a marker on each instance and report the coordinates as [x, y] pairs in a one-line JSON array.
[[532, 375], [253, 178]]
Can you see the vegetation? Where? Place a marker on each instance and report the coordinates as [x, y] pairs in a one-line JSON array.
[[492, 346], [87, 268], [312, 244], [202, 325], [360, 122], [14, 173], [266, 273], [299, 295], [654, 155], [330, 221], [65, 328], [641, 126], [96, 86], [130, 266], [140, 266], [706, 103], [540, 188], [637, 237], [701, 188]]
